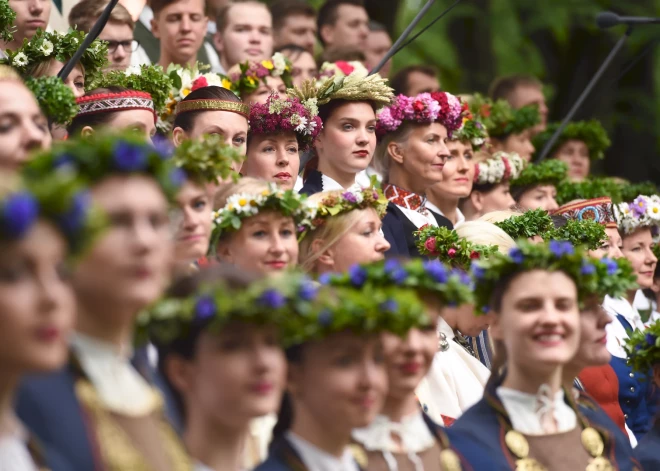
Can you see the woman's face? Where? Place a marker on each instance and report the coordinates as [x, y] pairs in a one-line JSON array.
[[638, 249], [539, 197], [520, 144], [135, 253], [458, 171], [363, 243], [194, 232], [236, 375], [576, 155], [36, 301], [265, 243], [23, 127], [138, 121], [304, 68], [348, 139], [611, 248], [539, 322], [464, 319], [497, 199], [274, 158], [233, 127], [424, 153], [341, 382], [75, 81], [261, 94], [593, 338], [409, 358]]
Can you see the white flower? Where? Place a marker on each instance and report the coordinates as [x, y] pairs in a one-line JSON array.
[[20, 60], [213, 80], [74, 41], [134, 70], [279, 64], [359, 197], [302, 124], [653, 210], [46, 48], [242, 203], [477, 141]]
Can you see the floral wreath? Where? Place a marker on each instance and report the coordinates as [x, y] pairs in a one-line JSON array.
[[208, 158], [593, 277], [532, 223], [591, 133], [442, 107], [7, 18], [93, 159], [244, 205], [643, 348], [500, 119], [446, 245], [548, 172], [472, 130], [592, 187], [288, 115], [331, 69], [630, 191], [643, 212], [590, 234], [61, 46], [451, 287], [253, 73], [500, 167], [55, 99]]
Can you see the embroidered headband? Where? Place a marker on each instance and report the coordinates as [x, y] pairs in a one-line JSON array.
[[107, 102], [597, 209], [213, 105]]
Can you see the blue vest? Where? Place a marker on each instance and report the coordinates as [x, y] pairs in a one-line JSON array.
[[648, 448]]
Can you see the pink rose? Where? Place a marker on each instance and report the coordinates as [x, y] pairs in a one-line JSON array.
[[201, 82], [474, 255], [451, 253], [430, 244], [345, 67]]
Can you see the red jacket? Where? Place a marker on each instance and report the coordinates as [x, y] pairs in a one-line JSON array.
[[601, 383]]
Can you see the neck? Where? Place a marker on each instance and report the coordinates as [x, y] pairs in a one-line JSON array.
[[630, 296], [217, 446], [321, 435], [530, 380], [8, 383], [223, 62], [397, 408], [167, 59], [447, 204], [92, 321], [399, 177], [13, 45], [345, 179], [569, 373]]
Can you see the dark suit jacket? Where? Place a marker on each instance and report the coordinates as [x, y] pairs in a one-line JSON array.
[[396, 221]]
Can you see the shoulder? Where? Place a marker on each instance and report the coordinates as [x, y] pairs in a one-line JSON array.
[[441, 220], [313, 183], [272, 463], [647, 449]]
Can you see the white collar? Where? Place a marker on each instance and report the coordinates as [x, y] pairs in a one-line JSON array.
[[319, 460], [146, 15], [412, 430], [525, 410], [460, 217], [621, 306], [444, 328], [330, 184]]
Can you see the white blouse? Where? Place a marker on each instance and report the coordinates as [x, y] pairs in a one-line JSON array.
[[616, 332], [417, 218], [412, 430], [14, 453], [460, 217], [318, 460], [525, 411]]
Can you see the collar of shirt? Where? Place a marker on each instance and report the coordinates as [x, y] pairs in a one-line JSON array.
[[317, 459], [460, 217], [412, 430], [330, 184], [621, 306], [146, 15]]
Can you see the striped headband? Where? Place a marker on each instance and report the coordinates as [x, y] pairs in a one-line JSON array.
[[213, 105], [108, 102]]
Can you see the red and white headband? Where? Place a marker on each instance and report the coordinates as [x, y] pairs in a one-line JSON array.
[[109, 102]]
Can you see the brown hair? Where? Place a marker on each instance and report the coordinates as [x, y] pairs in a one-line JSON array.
[[282, 9], [222, 18], [94, 120], [40, 69], [505, 87], [186, 121], [329, 13], [400, 81], [347, 54], [158, 5], [83, 15]]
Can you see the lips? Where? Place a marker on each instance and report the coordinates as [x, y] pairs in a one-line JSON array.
[[283, 176], [262, 387], [411, 367], [141, 273], [36, 23], [254, 52], [276, 264], [461, 180], [365, 402], [47, 334], [549, 339], [190, 238], [361, 153]]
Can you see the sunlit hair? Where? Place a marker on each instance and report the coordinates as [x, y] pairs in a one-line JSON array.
[[486, 233], [7, 73], [499, 216]]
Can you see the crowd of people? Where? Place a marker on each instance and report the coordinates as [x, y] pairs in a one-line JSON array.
[[225, 245]]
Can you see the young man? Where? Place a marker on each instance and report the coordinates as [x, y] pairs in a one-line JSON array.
[[118, 31], [415, 79], [294, 22], [244, 32], [181, 27], [519, 91], [378, 44], [30, 16], [343, 24]]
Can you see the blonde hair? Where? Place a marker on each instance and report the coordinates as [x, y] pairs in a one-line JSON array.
[[486, 233], [7, 73], [333, 229], [499, 216], [40, 68]]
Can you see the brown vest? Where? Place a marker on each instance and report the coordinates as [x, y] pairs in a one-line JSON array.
[[559, 452]]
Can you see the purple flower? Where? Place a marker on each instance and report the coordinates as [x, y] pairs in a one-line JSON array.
[[205, 308], [587, 268], [436, 270], [561, 248], [325, 278], [390, 306], [485, 309], [350, 197], [325, 318], [272, 298], [464, 277], [638, 206], [395, 271], [74, 218], [129, 157], [19, 213], [516, 256], [307, 291], [357, 275], [478, 272], [178, 177], [651, 339], [64, 161], [612, 266], [163, 147]]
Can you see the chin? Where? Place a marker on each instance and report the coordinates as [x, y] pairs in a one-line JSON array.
[[49, 359]]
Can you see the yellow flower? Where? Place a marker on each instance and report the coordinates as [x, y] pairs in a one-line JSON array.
[[242, 202], [251, 80], [265, 192], [185, 92], [226, 83], [230, 207], [268, 64]]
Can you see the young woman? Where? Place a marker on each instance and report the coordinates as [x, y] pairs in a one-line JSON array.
[[579, 143], [256, 225], [37, 302], [254, 82], [412, 152], [536, 186], [346, 230], [112, 416], [490, 189], [24, 128], [303, 65], [279, 130], [525, 415]]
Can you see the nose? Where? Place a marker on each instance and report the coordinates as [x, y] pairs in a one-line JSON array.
[[276, 245], [282, 160], [651, 258], [412, 341], [119, 54], [382, 245], [529, 147], [362, 138], [255, 37], [51, 289], [370, 372], [35, 7], [443, 151], [186, 24], [463, 165], [615, 251], [189, 222], [551, 205], [33, 137], [144, 235], [510, 202]]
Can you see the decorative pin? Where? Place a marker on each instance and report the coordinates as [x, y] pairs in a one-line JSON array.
[[517, 444], [450, 461], [592, 442], [600, 464], [443, 344]]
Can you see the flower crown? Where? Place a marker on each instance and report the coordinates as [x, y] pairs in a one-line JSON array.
[[7, 18], [243, 205], [55, 99], [500, 119], [353, 87], [643, 348], [593, 277], [592, 187], [472, 130], [339, 68], [548, 172], [253, 73], [104, 154], [500, 167], [335, 203], [289, 115], [591, 133], [115, 101], [61, 46], [532, 223], [445, 245], [450, 286], [208, 159], [423, 108], [643, 212], [594, 209], [590, 234]]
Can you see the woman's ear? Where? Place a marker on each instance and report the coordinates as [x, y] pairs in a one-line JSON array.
[[178, 136], [87, 131], [495, 328], [224, 252], [177, 371], [395, 150], [327, 256], [476, 198]]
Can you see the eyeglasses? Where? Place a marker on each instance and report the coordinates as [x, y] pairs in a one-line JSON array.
[[131, 45]]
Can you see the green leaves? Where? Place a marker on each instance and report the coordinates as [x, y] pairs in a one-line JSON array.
[[643, 348], [548, 172], [532, 223], [7, 18], [55, 99], [445, 245], [590, 234], [208, 159], [591, 133]]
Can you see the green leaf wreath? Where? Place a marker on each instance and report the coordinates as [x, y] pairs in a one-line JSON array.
[[593, 187], [591, 133], [500, 119], [532, 223], [590, 234], [630, 191], [548, 172], [208, 158], [643, 348], [55, 99], [7, 18], [445, 245]]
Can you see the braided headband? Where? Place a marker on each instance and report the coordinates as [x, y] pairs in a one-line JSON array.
[[213, 105], [107, 102]]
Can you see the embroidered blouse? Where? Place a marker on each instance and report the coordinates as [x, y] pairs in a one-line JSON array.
[[411, 204]]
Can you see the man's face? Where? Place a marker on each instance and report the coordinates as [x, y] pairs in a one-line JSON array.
[[299, 30], [120, 45], [349, 31], [419, 82], [30, 15], [378, 43], [248, 35], [181, 27]]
